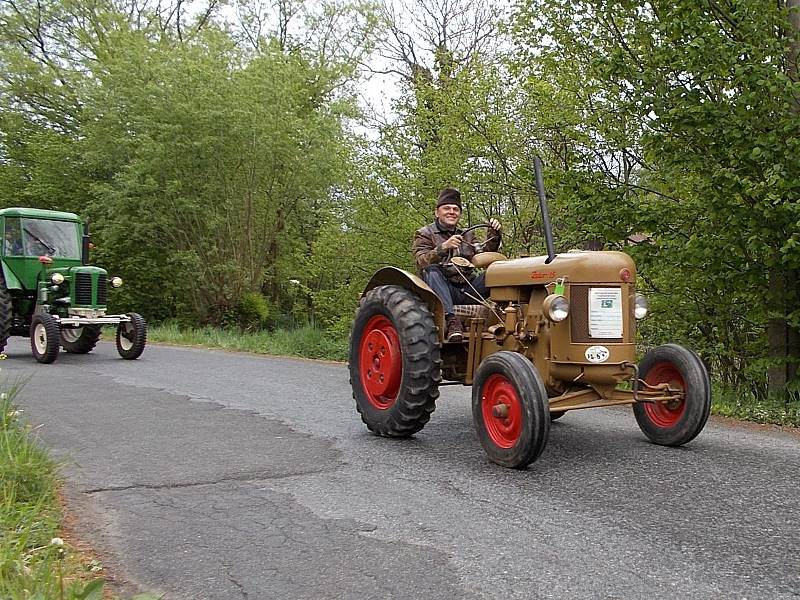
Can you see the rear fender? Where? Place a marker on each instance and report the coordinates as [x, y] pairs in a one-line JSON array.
[[399, 277]]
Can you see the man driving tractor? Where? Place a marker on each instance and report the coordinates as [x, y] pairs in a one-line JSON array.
[[434, 247]]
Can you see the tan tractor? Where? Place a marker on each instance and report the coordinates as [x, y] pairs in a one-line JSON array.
[[556, 334]]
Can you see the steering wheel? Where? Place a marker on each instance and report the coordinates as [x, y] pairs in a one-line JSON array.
[[478, 226], [460, 261], [477, 244]]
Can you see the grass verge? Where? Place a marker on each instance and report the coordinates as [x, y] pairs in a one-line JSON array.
[[746, 407], [34, 561], [306, 342]]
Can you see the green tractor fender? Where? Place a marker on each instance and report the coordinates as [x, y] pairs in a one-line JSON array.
[[399, 277], [12, 283]]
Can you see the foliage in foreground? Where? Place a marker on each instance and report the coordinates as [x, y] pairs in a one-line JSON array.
[[31, 565], [35, 563]]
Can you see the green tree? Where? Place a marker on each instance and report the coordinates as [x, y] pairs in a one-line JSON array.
[[205, 165], [688, 127]]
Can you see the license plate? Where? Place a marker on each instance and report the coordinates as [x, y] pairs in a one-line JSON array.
[[605, 312]]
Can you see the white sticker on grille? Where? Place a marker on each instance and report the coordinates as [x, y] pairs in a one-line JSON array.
[[597, 354], [605, 312]]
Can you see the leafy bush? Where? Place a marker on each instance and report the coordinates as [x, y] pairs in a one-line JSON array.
[[253, 311], [748, 407]]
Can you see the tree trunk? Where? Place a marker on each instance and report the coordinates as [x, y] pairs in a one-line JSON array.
[[794, 49], [793, 333], [777, 337], [784, 340]]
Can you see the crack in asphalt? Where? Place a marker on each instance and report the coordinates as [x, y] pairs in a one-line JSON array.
[[190, 484], [227, 568]]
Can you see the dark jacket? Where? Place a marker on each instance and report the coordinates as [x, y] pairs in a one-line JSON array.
[[427, 248]]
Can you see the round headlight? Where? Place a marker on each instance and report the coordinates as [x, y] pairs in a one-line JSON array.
[[640, 306], [116, 282], [556, 307], [56, 278]]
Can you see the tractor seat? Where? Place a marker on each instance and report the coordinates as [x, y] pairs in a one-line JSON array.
[[465, 312]]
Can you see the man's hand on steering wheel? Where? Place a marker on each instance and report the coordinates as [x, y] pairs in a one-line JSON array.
[[451, 243], [454, 241]]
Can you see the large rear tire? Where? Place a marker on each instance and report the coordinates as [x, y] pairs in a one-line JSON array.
[[45, 338], [674, 423], [80, 340], [395, 361], [6, 314], [510, 409]]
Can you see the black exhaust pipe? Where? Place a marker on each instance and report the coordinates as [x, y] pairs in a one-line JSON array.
[[85, 246], [548, 230]]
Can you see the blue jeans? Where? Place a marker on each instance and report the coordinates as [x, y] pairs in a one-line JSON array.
[[451, 293]]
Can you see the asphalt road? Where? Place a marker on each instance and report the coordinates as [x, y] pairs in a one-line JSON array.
[[204, 474]]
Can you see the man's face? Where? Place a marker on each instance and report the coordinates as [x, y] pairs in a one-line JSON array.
[[448, 214]]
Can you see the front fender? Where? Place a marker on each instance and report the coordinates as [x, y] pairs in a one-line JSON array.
[[399, 277], [12, 283]]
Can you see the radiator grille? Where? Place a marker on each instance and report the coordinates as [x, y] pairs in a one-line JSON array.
[[579, 316], [102, 288], [83, 288]]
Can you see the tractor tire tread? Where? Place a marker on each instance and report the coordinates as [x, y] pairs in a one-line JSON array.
[[52, 335], [139, 341], [421, 362], [6, 314], [698, 396], [88, 339]]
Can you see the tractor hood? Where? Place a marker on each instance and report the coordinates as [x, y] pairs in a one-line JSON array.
[[73, 270], [575, 267], [85, 269]]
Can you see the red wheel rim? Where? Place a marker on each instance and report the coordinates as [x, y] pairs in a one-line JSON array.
[[503, 425], [665, 414], [380, 362]]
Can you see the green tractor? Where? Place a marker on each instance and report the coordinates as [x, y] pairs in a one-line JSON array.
[[50, 293]]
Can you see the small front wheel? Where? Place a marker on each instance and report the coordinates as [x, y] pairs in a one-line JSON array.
[[132, 337], [677, 422], [510, 409], [45, 338]]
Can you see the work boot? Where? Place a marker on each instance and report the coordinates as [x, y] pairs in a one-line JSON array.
[[455, 332]]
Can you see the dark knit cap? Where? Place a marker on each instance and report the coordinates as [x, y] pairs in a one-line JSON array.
[[449, 196]]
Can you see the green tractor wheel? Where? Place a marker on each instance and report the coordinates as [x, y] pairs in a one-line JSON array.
[[132, 337], [6, 315], [45, 338]]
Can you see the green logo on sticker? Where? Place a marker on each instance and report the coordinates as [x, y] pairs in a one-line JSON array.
[[606, 304]]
